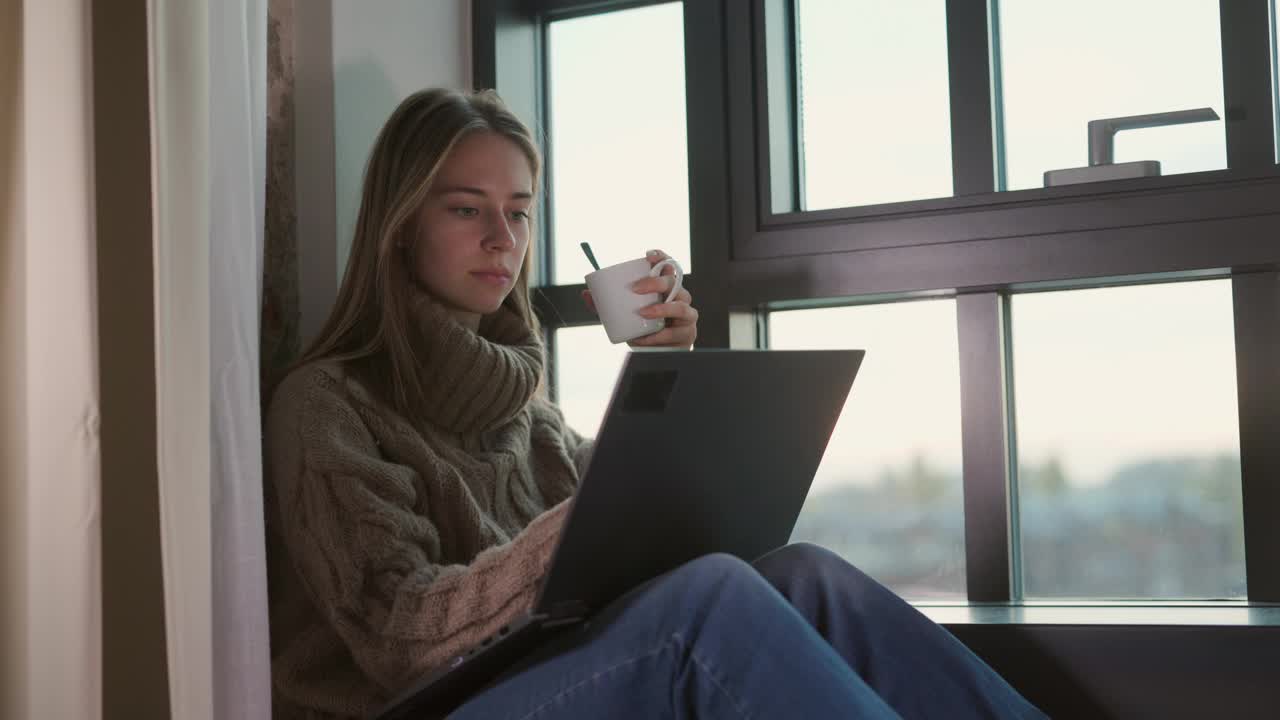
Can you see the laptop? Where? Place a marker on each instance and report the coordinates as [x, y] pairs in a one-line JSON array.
[[699, 452]]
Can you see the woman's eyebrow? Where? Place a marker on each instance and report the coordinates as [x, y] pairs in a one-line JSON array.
[[447, 189]]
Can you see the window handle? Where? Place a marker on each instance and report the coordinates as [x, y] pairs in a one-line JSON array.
[[1102, 132]]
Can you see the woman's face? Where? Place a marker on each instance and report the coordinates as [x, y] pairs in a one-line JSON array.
[[473, 229]]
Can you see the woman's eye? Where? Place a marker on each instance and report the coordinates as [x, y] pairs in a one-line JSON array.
[[466, 212], [520, 214]]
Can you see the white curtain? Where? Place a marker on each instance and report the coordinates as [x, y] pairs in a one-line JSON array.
[[237, 124], [209, 100]]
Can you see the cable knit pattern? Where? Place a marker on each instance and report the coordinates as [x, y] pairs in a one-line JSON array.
[[394, 546], [477, 381]]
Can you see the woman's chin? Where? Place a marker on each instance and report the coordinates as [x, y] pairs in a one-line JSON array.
[[483, 306], [476, 303]]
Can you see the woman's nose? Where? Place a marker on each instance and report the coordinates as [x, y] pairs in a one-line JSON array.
[[500, 235]]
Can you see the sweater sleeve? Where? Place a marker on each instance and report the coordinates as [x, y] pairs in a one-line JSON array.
[[364, 556], [580, 449], [576, 446]]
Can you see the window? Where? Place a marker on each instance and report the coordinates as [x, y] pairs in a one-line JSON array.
[[1064, 64], [873, 101], [1128, 442], [873, 107], [1027, 79], [586, 367], [611, 76], [888, 495]]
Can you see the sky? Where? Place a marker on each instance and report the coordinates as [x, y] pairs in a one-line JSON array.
[[1102, 377]]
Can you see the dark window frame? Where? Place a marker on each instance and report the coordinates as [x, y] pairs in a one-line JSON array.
[[976, 213], [978, 246], [981, 246]]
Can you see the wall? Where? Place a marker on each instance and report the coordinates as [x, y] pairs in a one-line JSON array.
[[352, 64], [62, 613], [134, 652], [316, 243], [382, 52], [13, 391]]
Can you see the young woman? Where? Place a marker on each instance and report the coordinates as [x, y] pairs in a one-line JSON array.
[[418, 479]]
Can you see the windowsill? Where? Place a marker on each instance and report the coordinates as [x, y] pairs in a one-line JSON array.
[[1226, 613]]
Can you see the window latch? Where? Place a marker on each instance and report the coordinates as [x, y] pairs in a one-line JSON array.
[[1102, 133]]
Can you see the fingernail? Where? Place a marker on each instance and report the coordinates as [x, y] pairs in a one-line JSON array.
[[652, 253]]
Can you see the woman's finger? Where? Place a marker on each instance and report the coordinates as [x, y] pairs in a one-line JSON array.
[[656, 256], [590, 301], [675, 336], [681, 326], [676, 311], [661, 285]]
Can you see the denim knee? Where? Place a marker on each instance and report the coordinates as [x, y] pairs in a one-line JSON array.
[[718, 583], [709, 573], [803, 560], [805, 567], [802, 556]]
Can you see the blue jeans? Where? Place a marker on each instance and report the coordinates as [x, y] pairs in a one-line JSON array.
[[798, 634]]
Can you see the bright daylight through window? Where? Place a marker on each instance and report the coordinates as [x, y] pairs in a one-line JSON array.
[[1128, 442], [1063, 64], [888, 496], [873, 100], [617, 75]]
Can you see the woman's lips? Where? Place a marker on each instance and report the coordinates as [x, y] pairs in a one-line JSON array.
[[492, 277]]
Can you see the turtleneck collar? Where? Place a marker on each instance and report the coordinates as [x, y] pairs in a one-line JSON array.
[[474, 380]]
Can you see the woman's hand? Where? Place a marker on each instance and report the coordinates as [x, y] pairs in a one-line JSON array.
[[680, 315]]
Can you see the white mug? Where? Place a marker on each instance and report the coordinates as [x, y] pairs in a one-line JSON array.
[[618, 306]]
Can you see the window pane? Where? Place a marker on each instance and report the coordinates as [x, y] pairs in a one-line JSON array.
[[1128, 442], [888, 495], [874, 101], [618, 165], [586, 367], [1066, 63]]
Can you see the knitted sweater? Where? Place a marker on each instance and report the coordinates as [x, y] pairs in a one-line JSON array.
[[395, 544]]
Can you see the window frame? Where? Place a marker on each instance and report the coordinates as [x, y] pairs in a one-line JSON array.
[[978, 215], [979, 246], [976, 117]]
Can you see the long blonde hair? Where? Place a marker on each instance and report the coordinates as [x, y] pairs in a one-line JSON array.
[[368, 328]]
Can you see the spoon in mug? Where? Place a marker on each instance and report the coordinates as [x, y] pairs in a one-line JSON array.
[[586, 248]]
